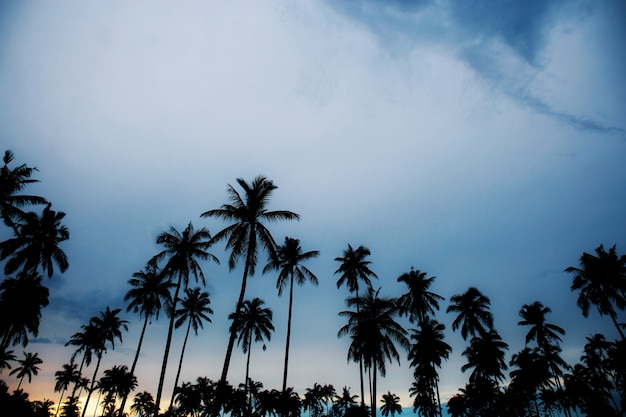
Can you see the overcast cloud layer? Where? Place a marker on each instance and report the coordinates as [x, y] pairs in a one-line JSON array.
[[483, 143]]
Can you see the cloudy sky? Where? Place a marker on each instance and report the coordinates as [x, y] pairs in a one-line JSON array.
[[483, 142]]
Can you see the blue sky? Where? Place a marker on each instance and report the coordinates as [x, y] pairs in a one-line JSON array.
[[481, 142]]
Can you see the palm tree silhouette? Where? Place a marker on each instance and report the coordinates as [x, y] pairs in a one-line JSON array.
[[418, 302], [426, 355], [344, 401], [195, 308], [21, 301], [105, 328], [373, 331], [68, 375], [391, 404], [29, 366], [534, 315], [485, 355], [6, 357], [117, 382], [88, 342], [143, 404], [37, 243], [289, 258], [182, 252], [354, 268], [150, 291], [246, 235], [473, 316], [12, 181], [254, 320], [601, 281]]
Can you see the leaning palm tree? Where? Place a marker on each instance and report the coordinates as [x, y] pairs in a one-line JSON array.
[[353, 269], [247, 235], [195, 309], [601, 281], [29, 366], [391, 404], [254, 321], [106, 327], [12, 181], [534, 315], [288, 262], [37, 243], [473, 316], [374, 332], [182, 251], [418, 302], [68, 375], [150, 291], [143, 404]]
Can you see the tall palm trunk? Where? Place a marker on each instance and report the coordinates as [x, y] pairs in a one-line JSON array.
[[288, 334], [373, 399], [93, 382], [358, 314], [170, 330], [233, 335], [132, 368], [180, 362], [60, 402], [247, 384], [617, 326]]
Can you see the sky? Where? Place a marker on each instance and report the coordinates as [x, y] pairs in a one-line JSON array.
[[482, 142]]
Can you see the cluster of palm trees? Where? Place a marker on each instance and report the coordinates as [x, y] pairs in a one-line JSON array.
[[380, 329]]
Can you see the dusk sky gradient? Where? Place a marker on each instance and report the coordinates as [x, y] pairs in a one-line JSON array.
[[482, 142]]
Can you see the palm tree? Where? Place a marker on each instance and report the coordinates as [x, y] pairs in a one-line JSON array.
[[106, 328], [68, 375], [6, 357], [37, 243], [150, 290], [117, 382], [247, 235], [21, 301], [426, 354], [534, 315], [182, 252], [13, 181], [254, 320], [88, 342], [391, 404], [473, 313], [418, 302], [373, 331], [195, 309], [601, 281], [143, 404], [288, 261], [344, 401], [28, 367], [485, 355], [354, 268]]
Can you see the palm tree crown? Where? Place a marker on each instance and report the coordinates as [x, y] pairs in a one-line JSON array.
[[418, 302], [354, 268], [473, 312]]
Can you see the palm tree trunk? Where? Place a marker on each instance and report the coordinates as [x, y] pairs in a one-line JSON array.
[[80, 373], [617, 326], [247, 383], [180, 362], [288, 334], [438, 398], [132, 368], [20, 383], [60, 401], [170, 330], [233, 335], [373, 399], [93, 382]]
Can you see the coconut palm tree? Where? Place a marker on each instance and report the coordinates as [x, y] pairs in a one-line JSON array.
[[68, 375], [374, 332], [150, 291], [143, 404], [12, 181], [288, 261], [354, 267], [391, 404], [117, 382], [182, 251], [88, 342], [473, 316], [247, 235], [344, 401], [194, 310], [601, 281], [6, 357], [106, 328], [36, 243], [485, 355], [254, 321], [534, 315], [426, 355], [418, 302], [29, 366], [21, 301]]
